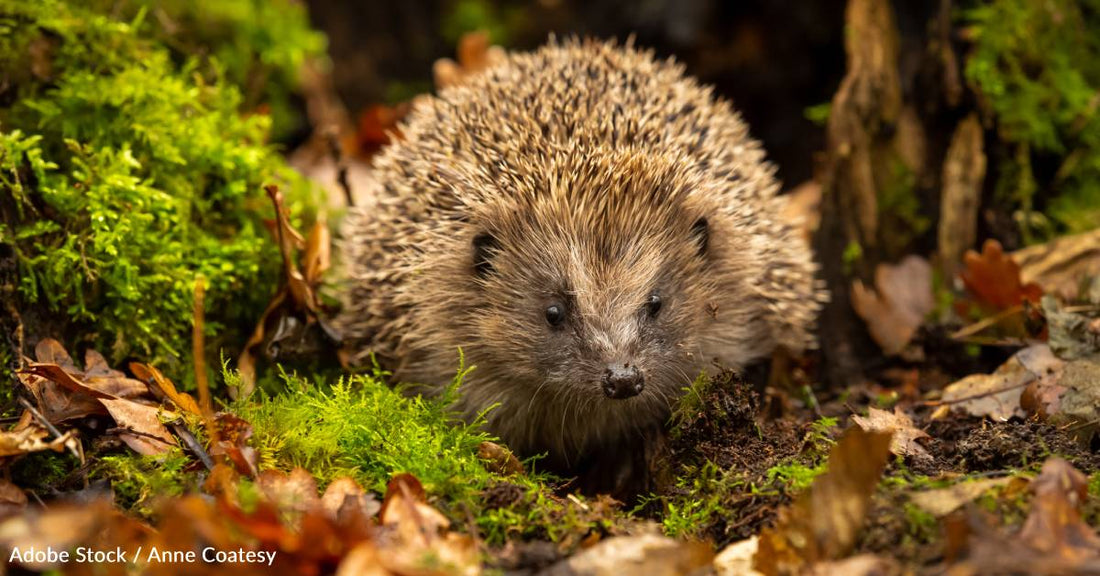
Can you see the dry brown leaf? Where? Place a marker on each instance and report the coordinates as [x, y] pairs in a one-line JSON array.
[[1054, 525], [649, 554], [344, 496], [56, 373], [998, 395], [861, 565], [475, 53], [140, 426], [150, 374], [906, 437], [32, 438], [58, 404], [994, 278], [295, 492], [897, 306], [1054, 538], [824, 521], [736, 559], [233, 436], [499, 459], [943, 501], [50, 351], [12, 499], [363, 560]]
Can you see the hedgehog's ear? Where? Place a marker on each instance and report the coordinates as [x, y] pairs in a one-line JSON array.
[[485, 247], [700, 235]]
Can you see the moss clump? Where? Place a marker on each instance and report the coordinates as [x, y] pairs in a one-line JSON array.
[[1036, 66], [364, 429], [260, 46], [139, 481], [124, 175]]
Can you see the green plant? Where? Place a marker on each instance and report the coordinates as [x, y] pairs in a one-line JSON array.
[[125, 175]]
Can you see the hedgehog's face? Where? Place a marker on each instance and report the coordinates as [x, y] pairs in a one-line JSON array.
[[605, 303]]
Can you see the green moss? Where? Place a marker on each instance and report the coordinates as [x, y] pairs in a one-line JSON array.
[[796, 477], [139, 481], [260, 46], [45, 472], [127, 175], [920, 525], [364, 429], [1036, 66]]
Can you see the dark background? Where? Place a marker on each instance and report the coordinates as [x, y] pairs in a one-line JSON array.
[[773, 59]]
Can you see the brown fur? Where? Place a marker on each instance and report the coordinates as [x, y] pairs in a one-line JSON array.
[[585, 169]]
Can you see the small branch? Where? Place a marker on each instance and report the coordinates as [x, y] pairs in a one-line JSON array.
[[47, 425]]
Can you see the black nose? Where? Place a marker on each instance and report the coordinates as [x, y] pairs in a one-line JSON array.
[[622, 381]]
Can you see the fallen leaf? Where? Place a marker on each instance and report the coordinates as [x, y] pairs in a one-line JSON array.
[[898, 305], [994, 278], [998, 395], [1060, 265], [233, 436], [344, 496], [150, 374], [861, 565], [905, 441], [825, 520], [295, 492], [32, 438], [650, 554], [1072, 334], [1053, 540], [475, 53], [499, 459], [140, 426], [943, 501], [12, 499], [736, 559]]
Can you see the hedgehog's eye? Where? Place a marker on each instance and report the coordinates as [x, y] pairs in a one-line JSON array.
[[555, 314], [653, 305]]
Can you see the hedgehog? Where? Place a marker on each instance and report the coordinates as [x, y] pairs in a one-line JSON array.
[[591, 230]]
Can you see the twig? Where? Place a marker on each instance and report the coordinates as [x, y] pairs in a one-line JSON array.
[[46, 423], [975, 396], [972, 329], [332, 136], [122, 430]]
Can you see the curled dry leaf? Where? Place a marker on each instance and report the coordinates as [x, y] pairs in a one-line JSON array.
[[997, 395], [63, 391], [150, 374], [824, 521], [906, 439], [897, 306], [32, 438]]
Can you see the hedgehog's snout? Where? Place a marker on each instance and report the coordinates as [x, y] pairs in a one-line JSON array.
[[622, 381]]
